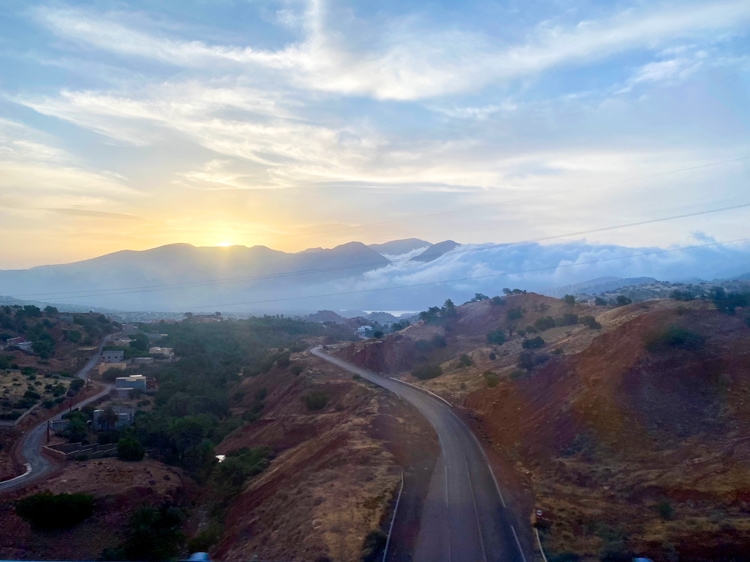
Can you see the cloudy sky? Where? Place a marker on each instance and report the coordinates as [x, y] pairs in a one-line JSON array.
[[129, 124]]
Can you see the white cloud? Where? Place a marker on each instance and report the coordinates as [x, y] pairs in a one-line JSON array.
[[406, 62]]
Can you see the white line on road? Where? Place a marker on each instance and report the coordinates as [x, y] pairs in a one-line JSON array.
[[512, 528]]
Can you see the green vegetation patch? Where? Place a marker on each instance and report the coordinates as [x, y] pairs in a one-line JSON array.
[[674, 337], [426, 372], [46, 510]]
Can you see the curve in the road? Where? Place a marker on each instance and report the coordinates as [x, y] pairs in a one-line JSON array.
[[37, 465], [465, 518]]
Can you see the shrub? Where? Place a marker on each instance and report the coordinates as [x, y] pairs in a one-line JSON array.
[[154, 533], [568, 319], [464, 361], [590, 322], [130, 449], [76, 385], [426, 372], [533, 343], [316, 400], [205, 539], [491, 379], [569, 300], [599, 301], [665, 510], [297, 369], [49, 511], [674, 337], [544, 323], [492, 356], [372, 548], [496, 336], [622, 300], [497, 301]]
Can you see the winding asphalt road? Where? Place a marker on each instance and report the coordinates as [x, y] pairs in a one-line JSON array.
[[37, 465], [465, 518]]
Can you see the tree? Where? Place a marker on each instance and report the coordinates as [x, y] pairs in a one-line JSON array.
[[464, 361], [479, 297], [599, 301], [533, 343], [154, 534], [77, 429], [140, 342], [108, 419], [507, 291], [130, 449], [449, 309], [622, 300], [570, 300], [496, 336], [51, 310]]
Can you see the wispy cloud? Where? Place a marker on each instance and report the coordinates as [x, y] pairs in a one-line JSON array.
[[404, 62]]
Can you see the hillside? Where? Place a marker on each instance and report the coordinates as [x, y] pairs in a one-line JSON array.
[[630, 434]]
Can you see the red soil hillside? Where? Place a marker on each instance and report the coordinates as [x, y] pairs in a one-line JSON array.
[[335, 470], [632, 436]]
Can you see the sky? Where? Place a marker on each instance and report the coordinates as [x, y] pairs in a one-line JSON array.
[[133, 124]]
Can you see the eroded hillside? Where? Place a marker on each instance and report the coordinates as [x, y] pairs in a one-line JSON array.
[[629, 430]]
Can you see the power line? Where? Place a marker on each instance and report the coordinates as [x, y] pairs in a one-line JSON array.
[[477, 277], [151, 288], [527, 198]]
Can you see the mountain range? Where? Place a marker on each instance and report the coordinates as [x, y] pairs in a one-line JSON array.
[[401, 275]]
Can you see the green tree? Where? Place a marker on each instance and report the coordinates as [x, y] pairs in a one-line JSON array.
[[140, 342], [570, 300], [496, 336], [154, 534], [130, 449], [464, 361], [622, 300]]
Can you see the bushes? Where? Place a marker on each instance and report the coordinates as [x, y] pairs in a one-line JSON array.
[[544, 323], [590, 322], [533, 343], [568, 319], [316, 400], [372, 549], [426, 372], [496, 336], [464, 361], [49, 511], [491, 379], [674, 337], [130, 449]]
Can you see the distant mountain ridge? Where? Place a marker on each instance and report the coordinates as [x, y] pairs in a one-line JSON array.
[[401, 275]]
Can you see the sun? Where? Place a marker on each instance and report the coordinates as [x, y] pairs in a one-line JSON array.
[[224, 244]]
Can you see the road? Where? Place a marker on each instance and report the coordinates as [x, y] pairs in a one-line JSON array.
[[465, 518], [37, 465]]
